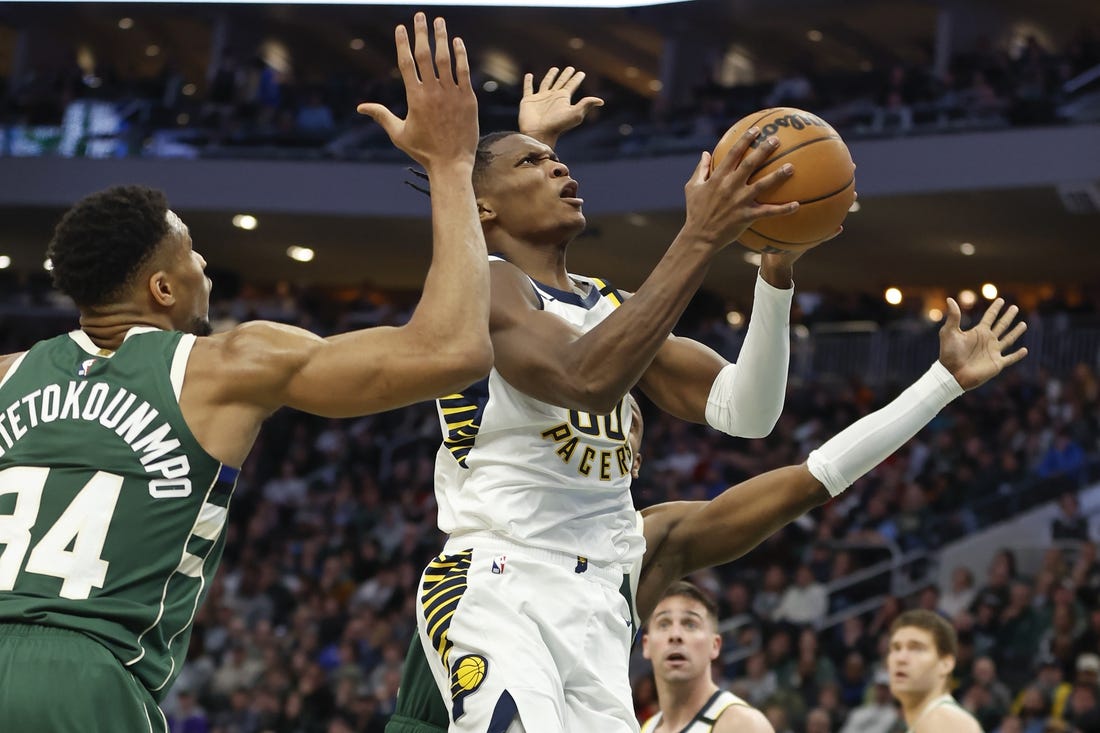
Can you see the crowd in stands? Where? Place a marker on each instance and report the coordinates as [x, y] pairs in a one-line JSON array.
[[245, 107], [305, 627]]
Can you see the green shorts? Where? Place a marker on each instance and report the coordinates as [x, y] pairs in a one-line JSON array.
[[59, 681], [420, 708]]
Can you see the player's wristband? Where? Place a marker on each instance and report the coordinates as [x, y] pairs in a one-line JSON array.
[[871, 439]]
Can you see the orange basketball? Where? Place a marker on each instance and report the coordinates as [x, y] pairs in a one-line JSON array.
[[823, 183]]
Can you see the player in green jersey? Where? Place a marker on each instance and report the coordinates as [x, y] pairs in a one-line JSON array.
[[119, 441]]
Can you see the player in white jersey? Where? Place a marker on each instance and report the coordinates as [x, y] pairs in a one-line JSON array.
[[923, 648], [682, 537], [682, 639], [521, 614]]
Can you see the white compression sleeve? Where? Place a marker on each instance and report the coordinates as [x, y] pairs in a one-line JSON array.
[[871, 439], [746, 398]]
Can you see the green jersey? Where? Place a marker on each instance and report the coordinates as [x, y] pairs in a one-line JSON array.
[[111, 514]]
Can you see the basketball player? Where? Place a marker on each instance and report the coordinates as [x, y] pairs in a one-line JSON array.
[[681, 639], [518, 616], [923, 647], [119, 441], [521, 613]]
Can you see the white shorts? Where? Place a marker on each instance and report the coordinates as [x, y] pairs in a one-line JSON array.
[[520, 639]]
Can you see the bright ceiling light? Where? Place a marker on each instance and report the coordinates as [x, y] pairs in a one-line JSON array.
[[47, 265], [299, 254], [967, 298], [814, 35], [893, 296], [966, 248], [245, 221], [5, 262], [935, 315], [357, 44], [566, 4], [854, 207], [989, 291], [735, 319], [753, 258], [125, 23]]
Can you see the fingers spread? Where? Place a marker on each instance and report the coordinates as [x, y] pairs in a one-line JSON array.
[[422, 50], [442, 51], [992, 311], [954, 315], [462, 64], [1014, 357], [737, 150], [563, 79], [548, 80], [1015, 333], [405, 63], [574, 82], [1005, 320]]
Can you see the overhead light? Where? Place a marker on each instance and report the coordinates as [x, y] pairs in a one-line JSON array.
[[814, 35], [47, 265], [893, 296], [854, 207], [490, 85], [152, 50], [5, 262], [182, 119], [656, 85], [125, 23], [967, 298], [188, 89], [245, 221], [935, 315], [637, 220], [299, 254], [357, 44], [966, 248], [735, 319], [625, 129], [631, 72], [989, 291], [753, 258], [576, 43]]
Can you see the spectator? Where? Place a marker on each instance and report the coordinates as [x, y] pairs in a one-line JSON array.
[[806, 602], [960, 596], [1068, 524], [878, 714]]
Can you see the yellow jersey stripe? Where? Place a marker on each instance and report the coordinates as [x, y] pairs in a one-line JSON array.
[[453, 410]]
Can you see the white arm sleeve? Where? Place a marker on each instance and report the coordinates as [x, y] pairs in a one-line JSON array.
[[871, 439], [746, 398]]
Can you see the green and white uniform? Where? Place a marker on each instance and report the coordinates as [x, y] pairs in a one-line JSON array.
[[111, 519], [935, 703]]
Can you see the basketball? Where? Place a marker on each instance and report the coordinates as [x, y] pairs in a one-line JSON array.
[[823, 183]]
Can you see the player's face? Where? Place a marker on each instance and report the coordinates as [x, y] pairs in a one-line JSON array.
[[681, 640], [528, 192], [190, 311], [916, 668]]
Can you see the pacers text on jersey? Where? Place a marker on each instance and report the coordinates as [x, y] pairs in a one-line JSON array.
[[114, 408]]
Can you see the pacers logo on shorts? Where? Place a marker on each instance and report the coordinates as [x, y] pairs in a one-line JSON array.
[[467, 674]]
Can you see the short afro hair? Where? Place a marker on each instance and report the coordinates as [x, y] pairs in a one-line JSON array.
[[484, 156], [102, 242]]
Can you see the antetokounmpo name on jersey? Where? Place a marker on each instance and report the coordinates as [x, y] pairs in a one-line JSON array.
[[116, 409]]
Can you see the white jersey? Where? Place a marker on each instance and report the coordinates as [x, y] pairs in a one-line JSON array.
[[540, 475], [704, 720]]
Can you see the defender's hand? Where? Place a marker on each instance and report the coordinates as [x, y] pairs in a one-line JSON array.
[[441, 127], [549, 112], [976, 355]]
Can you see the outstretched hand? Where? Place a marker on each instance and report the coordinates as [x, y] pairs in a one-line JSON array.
[[976, 355], [549, 112], [441, 126]]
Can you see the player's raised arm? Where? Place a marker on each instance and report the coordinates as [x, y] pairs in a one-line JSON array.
[[548, 112], [549, 359], [445, 344], [683, 537]]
